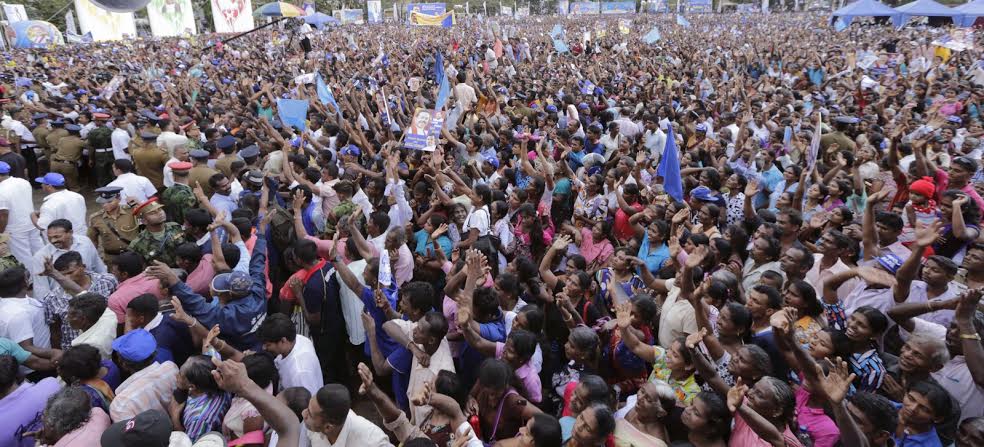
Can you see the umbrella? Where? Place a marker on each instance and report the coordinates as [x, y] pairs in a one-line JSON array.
[[320, 19], [279, 9]]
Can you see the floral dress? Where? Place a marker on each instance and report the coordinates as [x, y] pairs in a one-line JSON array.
[[685, 390]]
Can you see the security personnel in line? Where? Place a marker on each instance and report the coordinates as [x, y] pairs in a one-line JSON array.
[[40, 137], [149, 159], [66, 154], [179, 197], [99, 141], [113, 228], [57, 132], [200, 172], [227, 145], [159, 239]]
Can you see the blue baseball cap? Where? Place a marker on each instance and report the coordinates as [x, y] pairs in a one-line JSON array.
[[702, 193], [352, 150], [236, 283], [135, 346], [890, 262], [51, 178], [4, 168]]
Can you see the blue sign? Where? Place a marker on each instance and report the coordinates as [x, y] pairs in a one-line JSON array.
[[700, 6], [618, 7], [431, 9], [33, 34], [581, 8]]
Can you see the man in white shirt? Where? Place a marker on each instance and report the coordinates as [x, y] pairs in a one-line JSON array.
[[60, 203], [22, 317], [134, 186], [168, 139], [296, 361], [16, 208], [61, 240], [464, 93], [490, 58], [654, 138], [180, 154], [120, 139], [330, 422]]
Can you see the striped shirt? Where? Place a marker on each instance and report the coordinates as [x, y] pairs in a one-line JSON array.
[[148, 389], [870, 370], [56, 304], [204, 413]]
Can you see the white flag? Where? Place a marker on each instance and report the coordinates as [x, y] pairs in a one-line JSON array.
[[811, 159]]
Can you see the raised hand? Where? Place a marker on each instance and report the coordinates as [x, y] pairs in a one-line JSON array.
[[697, 257], [562, 242], [367, 379], [694, 339], [231, 376], [967, 304], [926, 235], [836, 383], [872, 275], [212, 334], [751, 188], [736, 395], [623, 314]]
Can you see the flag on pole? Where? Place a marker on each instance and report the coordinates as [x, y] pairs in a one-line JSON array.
[[444, 89], [560, 46], [293, 112], [669, 167], [811, 159], [840, 24], [325, 95], [680, 20], [652, 36]]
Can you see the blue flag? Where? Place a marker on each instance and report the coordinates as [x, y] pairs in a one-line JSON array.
[[560, 46], [293, 112], [652, 36], [682, 21], [557, 32], [840, 24], [669, 167], [325, 95], [444, 88]]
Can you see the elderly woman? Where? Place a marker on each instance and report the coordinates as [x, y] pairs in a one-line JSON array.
[[69, 420], [643, 424]]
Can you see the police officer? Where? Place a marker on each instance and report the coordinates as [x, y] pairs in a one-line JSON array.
[[100, 144], [51, 139], [67, 151], [159, 238], [113, 228], [149, 159], [227, 145], [200, 172], [251, 155]]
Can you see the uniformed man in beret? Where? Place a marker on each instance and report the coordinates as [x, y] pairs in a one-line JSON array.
[[67, 151], [159, 238], [100, 144], [227, 145], [200, 172], [113, 228], [51, 139], [179, 197]]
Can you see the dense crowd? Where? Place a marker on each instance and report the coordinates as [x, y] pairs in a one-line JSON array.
[[751, 230]]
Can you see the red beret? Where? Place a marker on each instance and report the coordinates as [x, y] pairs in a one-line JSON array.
[[179, 165]]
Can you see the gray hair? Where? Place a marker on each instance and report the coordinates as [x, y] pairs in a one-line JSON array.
[[65, 412], [939, 354]]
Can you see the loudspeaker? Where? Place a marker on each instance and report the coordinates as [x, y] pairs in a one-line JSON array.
[[120, 5]]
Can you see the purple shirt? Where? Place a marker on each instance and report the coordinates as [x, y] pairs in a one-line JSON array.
[[527, 375], [822, 429], [22, 411]]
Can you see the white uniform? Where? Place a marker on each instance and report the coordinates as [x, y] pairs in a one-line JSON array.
[[15, 198], [121, 141], [64, 204], [134, 186]]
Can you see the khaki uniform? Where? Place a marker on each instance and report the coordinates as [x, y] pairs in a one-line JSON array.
[[51, 140], [201, 174], [224, 164], [65, 159], [40, 134], [149, 161], [845, 142], [113, 234]]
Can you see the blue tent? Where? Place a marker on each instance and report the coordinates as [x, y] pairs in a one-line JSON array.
[[925, 8], [319, 20], [864, 8], [971, 11]]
